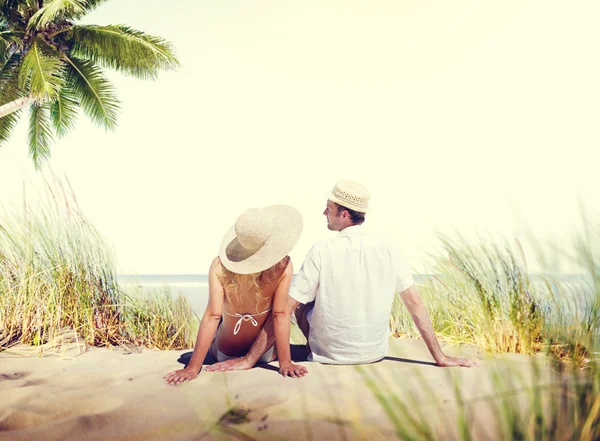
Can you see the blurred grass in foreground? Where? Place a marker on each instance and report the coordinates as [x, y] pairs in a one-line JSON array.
[[532, 404], [482, 294]]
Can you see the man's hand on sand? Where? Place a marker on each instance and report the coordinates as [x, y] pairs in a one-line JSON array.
[[293, 370], [180, 376], [235, 364], [454, 361]]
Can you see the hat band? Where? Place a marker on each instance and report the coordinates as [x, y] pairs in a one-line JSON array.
[[350, 198]]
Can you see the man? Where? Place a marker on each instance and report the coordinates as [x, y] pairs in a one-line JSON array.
[[346, 287]]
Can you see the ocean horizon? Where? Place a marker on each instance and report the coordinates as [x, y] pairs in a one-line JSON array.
[[203, 278], [195, 286]]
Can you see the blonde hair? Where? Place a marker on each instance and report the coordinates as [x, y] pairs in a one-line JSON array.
[[234, 284]]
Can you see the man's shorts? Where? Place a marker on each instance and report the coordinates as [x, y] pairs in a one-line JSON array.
[[302, 314]]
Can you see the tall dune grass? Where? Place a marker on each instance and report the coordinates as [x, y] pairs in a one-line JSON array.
[[482, 294], [57, 275], [482, 290], [154, 319]]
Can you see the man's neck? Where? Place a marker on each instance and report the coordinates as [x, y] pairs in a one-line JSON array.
[[347, 226]]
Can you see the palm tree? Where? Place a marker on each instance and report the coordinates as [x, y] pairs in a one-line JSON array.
[[54, 66]]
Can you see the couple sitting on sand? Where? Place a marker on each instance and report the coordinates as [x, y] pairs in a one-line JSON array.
[[342, 296]]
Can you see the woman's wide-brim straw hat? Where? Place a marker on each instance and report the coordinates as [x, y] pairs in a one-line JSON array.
[[260, 238], [351, 195]]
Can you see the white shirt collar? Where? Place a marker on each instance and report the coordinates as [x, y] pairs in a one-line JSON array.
[[352, 229]]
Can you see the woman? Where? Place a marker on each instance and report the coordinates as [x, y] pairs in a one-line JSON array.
[[250, 277]]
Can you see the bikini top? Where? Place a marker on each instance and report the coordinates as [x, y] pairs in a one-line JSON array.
[[245, 318]]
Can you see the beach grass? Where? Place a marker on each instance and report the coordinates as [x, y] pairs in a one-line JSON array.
[[528, 404], [155, 319], [481, 293], [58, 276]]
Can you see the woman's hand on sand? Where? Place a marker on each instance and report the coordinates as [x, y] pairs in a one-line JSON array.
[[293, 370], [454, 361], [235, 364], [180, 376]]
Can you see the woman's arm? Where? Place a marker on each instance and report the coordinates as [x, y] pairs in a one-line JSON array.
[[206, 332], [283, 305], [268, 334]]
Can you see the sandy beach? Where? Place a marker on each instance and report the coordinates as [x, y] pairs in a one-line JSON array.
[[116, 394]]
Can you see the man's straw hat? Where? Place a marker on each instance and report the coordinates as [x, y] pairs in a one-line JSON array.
[[260, 238], [351, 195]]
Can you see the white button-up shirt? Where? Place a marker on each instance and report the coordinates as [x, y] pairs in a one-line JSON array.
[[352, 279]]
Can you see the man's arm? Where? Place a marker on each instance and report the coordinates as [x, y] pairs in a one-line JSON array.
[[415, 306]]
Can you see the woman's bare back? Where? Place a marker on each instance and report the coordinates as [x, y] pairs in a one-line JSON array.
[[246, 295]]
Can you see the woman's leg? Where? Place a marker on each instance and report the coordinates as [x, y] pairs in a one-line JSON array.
[[269, 355], [214, 349]]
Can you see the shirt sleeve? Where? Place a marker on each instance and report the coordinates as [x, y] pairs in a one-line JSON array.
[[306, 283], [404, 279]]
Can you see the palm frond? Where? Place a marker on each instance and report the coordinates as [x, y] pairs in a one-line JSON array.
[[10, 42], [19, 10], [6, 26], [11, 4], [7, 41], [7, 125], [62, 9], [11, 11], [64, 112], [57, 9], [90, 5], [41, 72], [124, 49], [95, 93], [40, 135], [9, 94], [9, 79]]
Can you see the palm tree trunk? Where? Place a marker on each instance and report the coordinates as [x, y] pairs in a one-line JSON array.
[[15, 105]]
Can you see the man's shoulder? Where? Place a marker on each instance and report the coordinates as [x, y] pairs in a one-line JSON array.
[[378, 238], [377, 235], [320, 246]]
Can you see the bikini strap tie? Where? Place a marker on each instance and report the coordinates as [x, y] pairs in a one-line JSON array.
[[245, 318]]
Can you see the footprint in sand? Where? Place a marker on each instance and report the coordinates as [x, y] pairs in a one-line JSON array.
[[43, 409], [14, 376], [34, 382], [20, 376]]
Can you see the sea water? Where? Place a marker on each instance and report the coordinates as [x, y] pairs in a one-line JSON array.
[[194, 287]]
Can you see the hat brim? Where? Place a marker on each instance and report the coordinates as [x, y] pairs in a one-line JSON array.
[[287, 227], [346, 204]]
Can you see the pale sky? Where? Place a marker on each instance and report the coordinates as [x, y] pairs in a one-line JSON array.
[[475, 115]]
